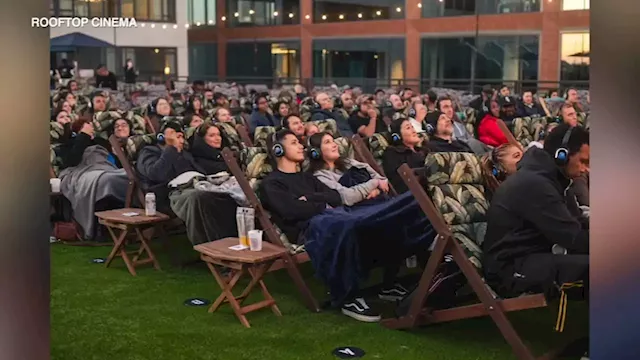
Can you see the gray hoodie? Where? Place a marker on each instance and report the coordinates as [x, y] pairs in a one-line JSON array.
[[350, 195]]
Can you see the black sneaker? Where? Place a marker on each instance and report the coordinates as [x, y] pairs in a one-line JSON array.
[[360, 310], [395, 293]]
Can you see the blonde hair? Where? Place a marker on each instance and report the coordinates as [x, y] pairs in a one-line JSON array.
[[491, 161]]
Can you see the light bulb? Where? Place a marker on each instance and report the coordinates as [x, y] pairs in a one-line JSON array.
[[307, 17], [210, 22], [224, 18], [341, 17], [359, 16], [236, 14], [378, 12], [251, 12], [164, 26], [398, 9], [186, 26], [153, 25], [275, 13], [290, 15], [324, 17], [175, 26]]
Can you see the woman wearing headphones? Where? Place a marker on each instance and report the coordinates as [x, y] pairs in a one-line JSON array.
[[353, 180], [501, 162], [405, 148]]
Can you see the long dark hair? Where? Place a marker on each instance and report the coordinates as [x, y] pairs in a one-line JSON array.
[[204, 128], [315, 141]]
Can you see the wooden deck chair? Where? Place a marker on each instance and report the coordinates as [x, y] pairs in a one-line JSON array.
[[460, 224], [256, 166], [244, 135], [508, 134]]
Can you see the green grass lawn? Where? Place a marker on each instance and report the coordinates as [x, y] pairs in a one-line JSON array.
[[105, 313]]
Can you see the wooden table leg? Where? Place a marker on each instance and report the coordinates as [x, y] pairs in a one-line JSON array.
[[119, 242], [234, 276], [144, 245], [257, 274]]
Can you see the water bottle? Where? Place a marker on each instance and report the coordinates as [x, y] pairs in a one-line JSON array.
[[150, 204]]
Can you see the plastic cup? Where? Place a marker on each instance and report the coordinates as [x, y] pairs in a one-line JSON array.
[[255, 240], [55, 185]]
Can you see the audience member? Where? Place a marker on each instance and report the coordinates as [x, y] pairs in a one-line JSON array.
[[365, 120], [195, 106], [222, 115], [282, 110], [417, 114], [261, 115], [440, 129], [207, 147], [488, 130], [535, 239], [568, 114], [405, 148], [499, 164], [529, 107], [294, 124], [324, 110], [105, 78]]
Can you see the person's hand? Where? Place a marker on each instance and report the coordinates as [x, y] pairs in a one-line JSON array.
[[87, 128], [383, 185], [372, 113], [171, 139], [373, 194], [302, 198]]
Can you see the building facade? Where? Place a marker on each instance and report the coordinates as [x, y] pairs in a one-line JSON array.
[[387, 42], [158, 45]]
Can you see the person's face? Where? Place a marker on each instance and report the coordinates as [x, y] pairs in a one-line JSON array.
[[221, 101], [504, 91], [163, 108], [495, 109], [198, 88], [63, 118], [73, 86], [407, 94], [283, 109], [71, 99], [572, 96], [554, 94], [129, 64], [396, 102], [444, 126], [329, 148], [293, 150], [409, 135], [578, 163], [223, 115], [421, 111], [262, 104], [197, 104], [527, 98], [295, 125], [325, 101], [169, 132], [196, 121], [510, 159], [297, 89], [347, 100], [121, 129], [446, 106], [509, 110], [99, 103], [208, 95], [380, 97], [66, 107], [570, 116], [311, 129], [213, 137]]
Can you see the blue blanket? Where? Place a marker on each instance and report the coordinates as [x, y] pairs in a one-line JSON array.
[[344, 243]]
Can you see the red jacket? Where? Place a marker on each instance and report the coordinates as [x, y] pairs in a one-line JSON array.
[[489, 132]]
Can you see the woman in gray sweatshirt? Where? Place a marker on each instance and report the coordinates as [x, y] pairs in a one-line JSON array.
[[353, 180]]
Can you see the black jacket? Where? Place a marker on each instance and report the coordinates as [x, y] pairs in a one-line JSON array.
[[280, 193], [436, 144], [130, 75], [72, 150], [157, 166], [110, 81], [208, 158], [529, 213], [343, 124], [535, 110], [393, 157]]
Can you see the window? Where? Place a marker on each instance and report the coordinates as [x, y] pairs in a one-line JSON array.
[[154, 10], [127, 8], [356, 10], [201, 12], [262, 12], [103, 8], [575, 5], [370, 63], [459, 62], [575, 56], [263, 61], [437, 8], [150, 62], [203, 61]]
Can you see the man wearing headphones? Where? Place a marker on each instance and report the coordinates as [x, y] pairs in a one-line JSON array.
[[460, 132], [261, 115], [440, 131], [536, 238], [568, 114], [292, 196], [324, 110]]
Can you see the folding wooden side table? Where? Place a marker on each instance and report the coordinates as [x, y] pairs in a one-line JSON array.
[[254, 263], [116, 220]]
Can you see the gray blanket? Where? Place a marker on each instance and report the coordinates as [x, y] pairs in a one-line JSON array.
[[94, 179]]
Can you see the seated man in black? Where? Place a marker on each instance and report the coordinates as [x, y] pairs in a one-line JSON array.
[[405, 148], [365, 121], [440, 130], [325, 110], [535, 239], [207, 215]]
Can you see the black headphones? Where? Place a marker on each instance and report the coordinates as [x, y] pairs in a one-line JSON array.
[[412, 111], [496, 169], [562, 154], [314, 104], [276, 149], [313, 152], [430, 129]]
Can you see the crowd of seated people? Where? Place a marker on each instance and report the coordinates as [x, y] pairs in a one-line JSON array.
[[344, 194]]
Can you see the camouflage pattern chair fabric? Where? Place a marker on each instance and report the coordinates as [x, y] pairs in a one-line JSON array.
[[328, 125], [136, 143], [455, 185], [54, 158], [261, 135], [377, 144], [527, 129]]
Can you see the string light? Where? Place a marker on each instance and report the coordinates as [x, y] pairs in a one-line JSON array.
[[198, 23], [307, 17], [251, 12], [275, 13], [164, 26], [290, 15], [142, 25], [186, 26], [420, 5], [210, 22], [360, 16], [324, 17], [175, 26], [224, 18], [236, 14], [341, 17], [153, 25], [398, 9], [378, 12]]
